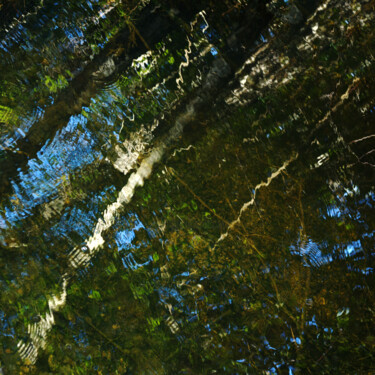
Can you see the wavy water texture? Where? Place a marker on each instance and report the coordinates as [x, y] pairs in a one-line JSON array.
[[187, 51], [252, 201], [81, 256], [270, 67], [38, 331]]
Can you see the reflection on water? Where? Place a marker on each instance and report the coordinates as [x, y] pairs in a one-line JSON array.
[[187, 190]]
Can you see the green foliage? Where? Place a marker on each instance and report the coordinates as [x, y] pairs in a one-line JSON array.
[[223, 261], [55, 85]]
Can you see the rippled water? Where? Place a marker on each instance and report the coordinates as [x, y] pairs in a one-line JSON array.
[[187, 188]]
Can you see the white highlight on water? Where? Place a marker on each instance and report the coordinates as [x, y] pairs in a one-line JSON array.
[[188, 50], [252, 201], [38, 331], [82, 256]]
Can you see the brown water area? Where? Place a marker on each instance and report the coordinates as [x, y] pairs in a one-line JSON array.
[[187, 187]]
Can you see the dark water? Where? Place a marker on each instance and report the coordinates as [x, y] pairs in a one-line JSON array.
[[187, 187]]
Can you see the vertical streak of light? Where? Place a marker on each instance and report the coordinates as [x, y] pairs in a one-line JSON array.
[[188, 50]]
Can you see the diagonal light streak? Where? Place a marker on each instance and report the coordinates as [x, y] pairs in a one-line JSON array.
[[252, 201]]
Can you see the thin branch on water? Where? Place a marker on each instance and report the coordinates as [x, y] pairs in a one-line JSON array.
[[88, 321]]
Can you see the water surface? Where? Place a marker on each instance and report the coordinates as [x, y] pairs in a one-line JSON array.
[[187, 189]]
